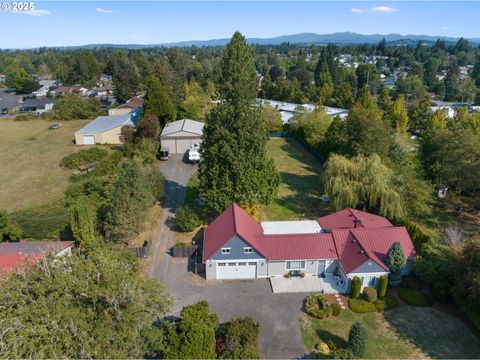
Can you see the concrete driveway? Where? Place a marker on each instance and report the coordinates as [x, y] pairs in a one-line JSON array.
[[277, 314]]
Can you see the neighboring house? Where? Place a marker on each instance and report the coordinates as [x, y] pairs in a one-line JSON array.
[[37, 106], [450, 111], [105, 77], [104, 90], [133, 106], [18, 255], [46, 85], [2, 78], [61, 90], [104, 130], [344, 244], [287, 110], [180, 135]]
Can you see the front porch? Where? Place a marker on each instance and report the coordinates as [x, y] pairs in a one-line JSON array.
[[307, 284]]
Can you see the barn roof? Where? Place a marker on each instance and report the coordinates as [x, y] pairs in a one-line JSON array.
[[185, 125], [105, 123]]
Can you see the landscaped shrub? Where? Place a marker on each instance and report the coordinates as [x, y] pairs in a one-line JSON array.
[[83, 157], [357, 339], [382, 286], [412, 282], [318, 307], [356, 287], [362, 306], [321, 350], [238, 339], [414, 297], [186, 219], [370, 294], [342, 354], [336, 309]]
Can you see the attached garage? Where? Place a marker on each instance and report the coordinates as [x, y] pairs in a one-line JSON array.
[[237, 270], [180, 135], [104, 130]]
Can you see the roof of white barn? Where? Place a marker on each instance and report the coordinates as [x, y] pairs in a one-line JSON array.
[[291, 227], [184, 125]]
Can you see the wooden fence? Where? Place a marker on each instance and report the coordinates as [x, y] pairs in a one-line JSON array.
[[140, 252]]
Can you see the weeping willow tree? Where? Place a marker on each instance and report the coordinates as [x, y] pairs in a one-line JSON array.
[[363, 182]]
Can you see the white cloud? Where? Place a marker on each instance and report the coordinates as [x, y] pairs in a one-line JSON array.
[[104, 11], [35, 12], [446, 27], [376, 9]]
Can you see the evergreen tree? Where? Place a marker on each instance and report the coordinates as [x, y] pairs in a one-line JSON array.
[[125, 80], [235, 166], [357, 340], [128, 206], [395, 259], [82, 222], [157, 102]]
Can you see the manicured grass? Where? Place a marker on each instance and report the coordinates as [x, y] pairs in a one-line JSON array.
[[414, 297], [300, 189], [403, 332], [30, 155]]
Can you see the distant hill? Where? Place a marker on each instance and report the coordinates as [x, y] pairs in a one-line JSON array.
[[340, 38]]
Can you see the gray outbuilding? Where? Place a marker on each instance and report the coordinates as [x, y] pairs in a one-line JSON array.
[[180, 135]]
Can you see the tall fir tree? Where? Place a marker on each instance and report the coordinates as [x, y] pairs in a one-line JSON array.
[[235, 166], [158, 102]]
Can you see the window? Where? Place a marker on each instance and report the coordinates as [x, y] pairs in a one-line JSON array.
[[225, 250], [242, 264], [253, 263], [221, 264], [247, 250], [372, 281], [295, 265], [232, 264]]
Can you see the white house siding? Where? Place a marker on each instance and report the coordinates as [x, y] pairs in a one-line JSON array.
[[210, 269], [278, 268]]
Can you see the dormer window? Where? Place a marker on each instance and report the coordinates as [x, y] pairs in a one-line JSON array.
[[226, 250], [247, 250]]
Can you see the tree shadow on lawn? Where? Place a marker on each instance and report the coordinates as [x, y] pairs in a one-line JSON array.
[[326, 336], [437, 334], [293, 149]]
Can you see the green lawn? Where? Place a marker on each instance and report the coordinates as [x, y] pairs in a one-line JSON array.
[[30, 155], [403, 332], [300, 189]]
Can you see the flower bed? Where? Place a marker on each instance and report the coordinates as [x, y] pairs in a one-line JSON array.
[[318, 307]]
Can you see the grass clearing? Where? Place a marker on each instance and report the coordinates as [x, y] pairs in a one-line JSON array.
[[403, 332], [300, 188], [30, 155]]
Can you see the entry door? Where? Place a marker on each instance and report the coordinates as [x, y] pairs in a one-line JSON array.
[[88, 140], [236, 270]]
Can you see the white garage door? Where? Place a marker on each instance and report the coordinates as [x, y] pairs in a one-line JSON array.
[[236, 270], [88, 140]]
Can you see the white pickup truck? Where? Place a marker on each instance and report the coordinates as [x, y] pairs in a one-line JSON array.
[[194, 153]]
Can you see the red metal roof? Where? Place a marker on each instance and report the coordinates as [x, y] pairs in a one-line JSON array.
[[352, 246], [10, 262], [344, 219], [298, 246]]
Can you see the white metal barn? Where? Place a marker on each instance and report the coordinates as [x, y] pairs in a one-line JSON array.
[[180, 135]]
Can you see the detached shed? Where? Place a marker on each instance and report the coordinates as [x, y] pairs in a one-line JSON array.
[[103, 130], [180, 135]]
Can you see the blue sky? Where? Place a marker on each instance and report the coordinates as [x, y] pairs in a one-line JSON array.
[[63, 23]]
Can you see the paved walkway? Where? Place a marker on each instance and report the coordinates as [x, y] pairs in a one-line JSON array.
[[277, 314], [302, 285]]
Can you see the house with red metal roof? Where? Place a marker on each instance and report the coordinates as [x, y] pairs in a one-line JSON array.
[[19, 255], [336, 247]]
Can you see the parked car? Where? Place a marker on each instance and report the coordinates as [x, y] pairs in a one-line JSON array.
[[4, 111], [164, 153], [55, 126], [194, 153]]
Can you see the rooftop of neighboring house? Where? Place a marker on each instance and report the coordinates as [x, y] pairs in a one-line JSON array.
[[37, 103], [21, 254], [350, 235], [133, 103]]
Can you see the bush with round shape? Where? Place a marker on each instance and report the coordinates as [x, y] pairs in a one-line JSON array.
[[318, 307], [336, 309], [357, 339], [382, 286], [356, 287], [322, 350], [343, 354], [414, 297], [186, 219], [370, 294]]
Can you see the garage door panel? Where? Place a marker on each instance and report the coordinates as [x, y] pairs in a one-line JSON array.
[[236, 270], [88, 139]]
